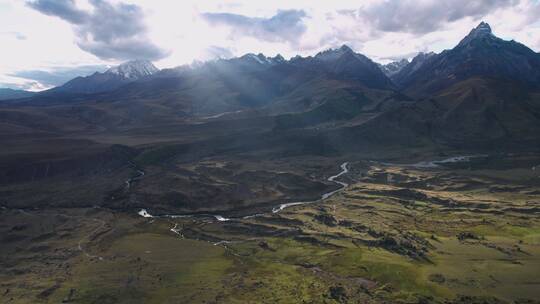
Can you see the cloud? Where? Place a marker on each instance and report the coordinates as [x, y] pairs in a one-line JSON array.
[[399, 57], [57, 76], [381, 29], [110, 32], [285, 26], [217, 52], [64, 9], [24, 85], [424, 16], [16, 35]]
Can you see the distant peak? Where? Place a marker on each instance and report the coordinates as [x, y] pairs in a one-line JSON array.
[[134, 69], [136, 61], [262, 59], [345, 48], [482, 30], [332, 54], [483, 27], [424, 55], [278, 57]]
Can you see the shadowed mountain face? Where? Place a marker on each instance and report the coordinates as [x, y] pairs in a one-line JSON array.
[[406, 71], [344, 63], [477, 113], [479, 54], [246, 83], [255, 81], [488, 110], [482, 93], [6, 94], [394, 68], [470, 95]]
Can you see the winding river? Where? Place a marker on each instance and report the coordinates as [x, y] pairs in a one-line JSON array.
[[220, 218], [344, 170]]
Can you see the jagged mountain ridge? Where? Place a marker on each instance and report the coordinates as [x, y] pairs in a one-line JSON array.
[[335, 90], [479, 54], [416, 63], [394, 67], [482, 94], [109, 80], [349, 65], [135, 69], [342, 63]]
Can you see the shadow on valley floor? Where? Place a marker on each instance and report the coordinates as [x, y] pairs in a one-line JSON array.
[[464, 232]]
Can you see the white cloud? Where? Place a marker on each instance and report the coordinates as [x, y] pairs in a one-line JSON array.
[[179, 27]]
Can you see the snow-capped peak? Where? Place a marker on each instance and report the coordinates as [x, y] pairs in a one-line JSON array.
[[134, 69], [392, 68], [262, 59], [483, 27], [482, 30], [333, 54]]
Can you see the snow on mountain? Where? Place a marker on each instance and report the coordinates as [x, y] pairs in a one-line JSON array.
[[410, 68], [482, 30], [479, 54], [134, 69], [262, 59], [393, 67], [110, 80], [334, 54]]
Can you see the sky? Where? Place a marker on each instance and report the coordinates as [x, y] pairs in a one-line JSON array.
[[47, 42]]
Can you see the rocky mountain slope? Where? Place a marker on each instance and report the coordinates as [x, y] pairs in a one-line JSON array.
[[479, 54], [394, 67], [109, 80]]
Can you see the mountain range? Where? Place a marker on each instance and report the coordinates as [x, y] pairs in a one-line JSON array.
[[482, 95], [334, 85], [394, 67], [109, 80], [479, 54]]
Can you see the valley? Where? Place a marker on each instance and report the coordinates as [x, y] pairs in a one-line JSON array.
[[464, 230], [326, 178]]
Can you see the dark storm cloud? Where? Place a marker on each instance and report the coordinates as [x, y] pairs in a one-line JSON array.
[[108, 31], [57, 76], [422, 17], [64, 9], [286, 25]]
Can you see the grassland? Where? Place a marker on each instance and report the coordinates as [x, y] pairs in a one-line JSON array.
[[397, 234]]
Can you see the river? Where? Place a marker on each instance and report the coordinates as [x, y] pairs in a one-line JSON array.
[[281, 207]]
